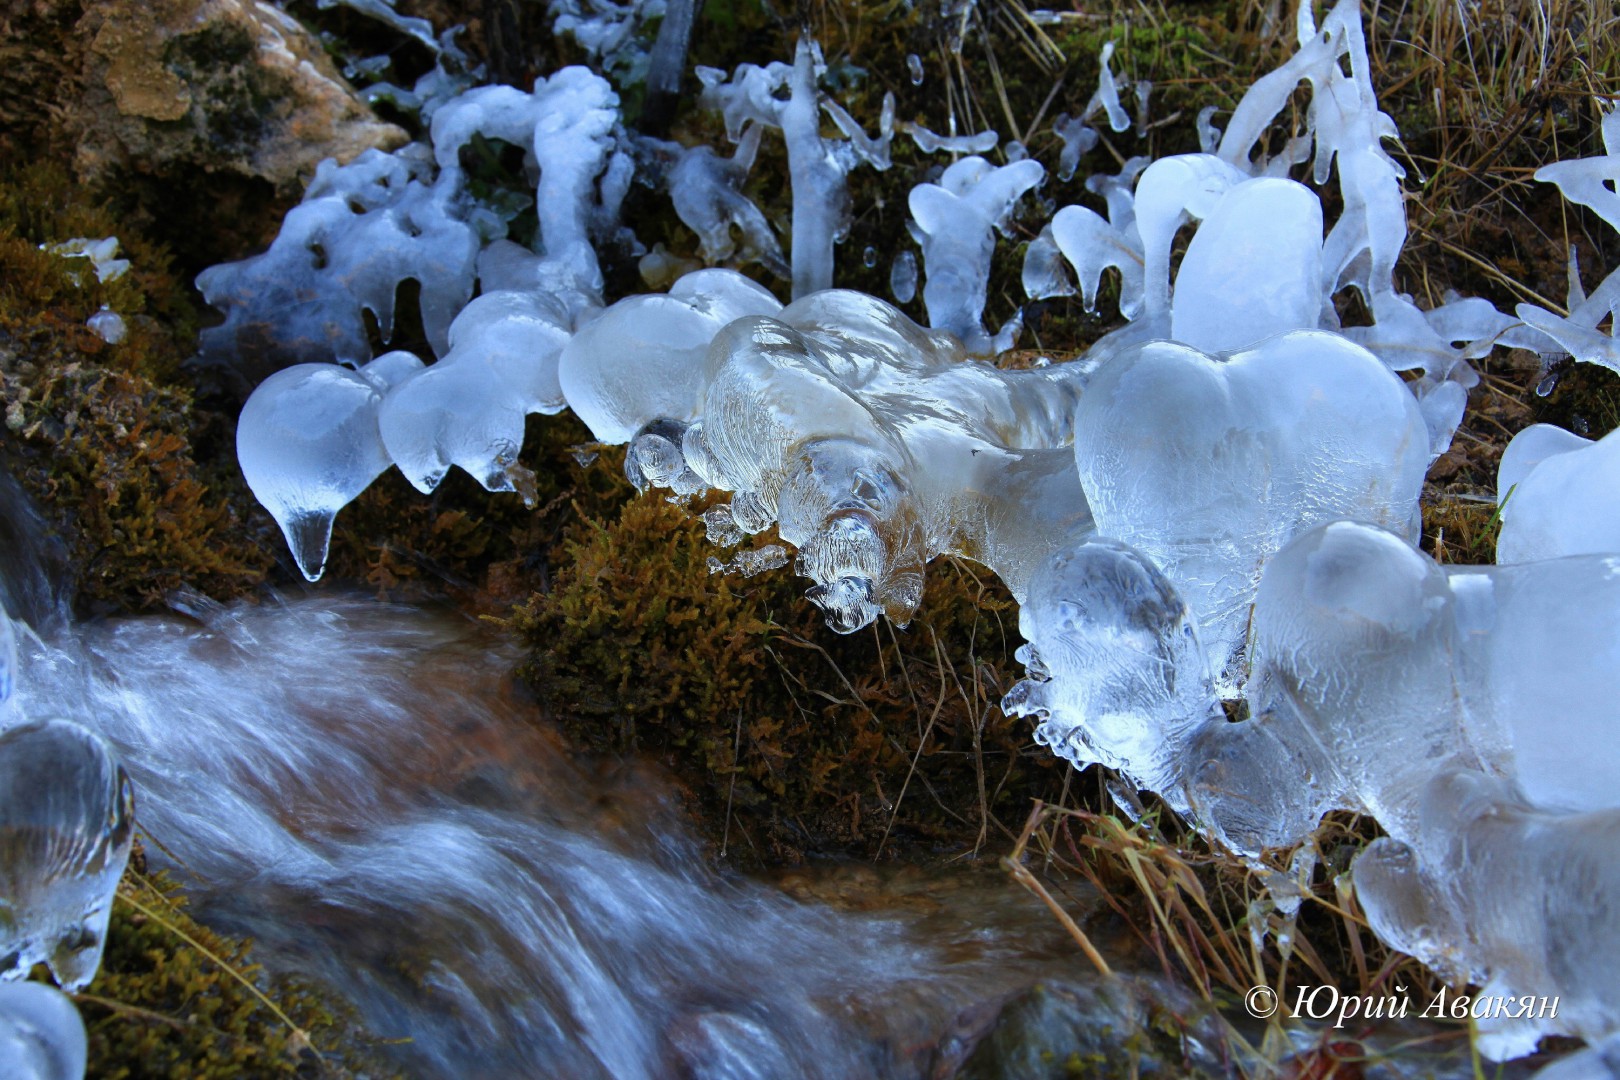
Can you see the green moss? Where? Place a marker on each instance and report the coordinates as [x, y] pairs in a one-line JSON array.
[[170, 1003], [104, 436], [793, 740]]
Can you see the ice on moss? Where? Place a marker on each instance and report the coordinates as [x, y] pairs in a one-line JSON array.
[[468, 410], [875, 445], [956, 221], [101, 254], [66, 826], [1559, 495]]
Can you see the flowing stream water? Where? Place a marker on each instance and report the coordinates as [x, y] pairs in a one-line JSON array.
[[364, 789]]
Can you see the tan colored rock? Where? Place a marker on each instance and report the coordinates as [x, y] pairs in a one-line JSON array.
[[233, 85]]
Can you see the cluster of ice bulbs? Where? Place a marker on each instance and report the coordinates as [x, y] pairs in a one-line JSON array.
[[1216, 502]]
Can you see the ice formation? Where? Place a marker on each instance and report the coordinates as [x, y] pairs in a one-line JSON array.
[[41, 1034], [1559, 494], [1208, 466], [1215, 502], [872, 443], [956, 221], [1379, 679], [361, 230], [1076, 132], [1591, 183], [308, 444], [707, 192], [66, 826], [816, 166]]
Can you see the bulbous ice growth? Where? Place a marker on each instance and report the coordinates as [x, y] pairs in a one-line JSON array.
[[1208, 465], [880, 419], [66, 826], [1117, 675], [1266, 233], [308, 444], [468, 409], [1515, 898], [956, 221], [41, 1033], [1559, 495], [1382, 670], [646, 358]]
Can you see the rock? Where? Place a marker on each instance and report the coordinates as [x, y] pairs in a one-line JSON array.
[[218, 85]]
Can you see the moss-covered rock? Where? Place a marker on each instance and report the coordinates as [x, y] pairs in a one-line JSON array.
[[793, 740], [106, 438]]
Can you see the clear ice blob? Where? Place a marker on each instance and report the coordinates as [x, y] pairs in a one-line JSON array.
[[308, 444], [646, 358], [1117, 672], [1266, 233], [468, 410], [1559, 495], [1208, 466], [41, 1034], [66, 826]]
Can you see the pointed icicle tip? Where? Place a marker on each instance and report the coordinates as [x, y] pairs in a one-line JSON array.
[[309, 535]]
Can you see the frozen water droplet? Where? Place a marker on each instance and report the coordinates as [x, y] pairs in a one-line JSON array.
[[41, 1034], [914, 65], [1015, 151], [1548, 383], [1579, 425], [308, 444], [109, 325], [66, 824], [903, 277], [869, 257]]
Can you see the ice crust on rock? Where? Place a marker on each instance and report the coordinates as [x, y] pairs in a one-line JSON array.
[[66, 826], [1559, 495], [42, 1036]]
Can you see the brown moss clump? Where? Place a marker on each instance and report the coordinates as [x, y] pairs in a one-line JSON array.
[[104, 436], [792, 740], [173, 1002]]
